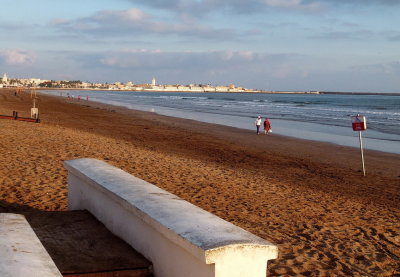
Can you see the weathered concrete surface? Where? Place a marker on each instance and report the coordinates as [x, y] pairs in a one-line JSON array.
[[21, 253], [179, 238]]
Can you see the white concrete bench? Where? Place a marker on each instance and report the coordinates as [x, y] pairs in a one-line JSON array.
[[180, 239], [21, 252]]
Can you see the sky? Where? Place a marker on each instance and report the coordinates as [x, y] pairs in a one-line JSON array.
[[296, 45]]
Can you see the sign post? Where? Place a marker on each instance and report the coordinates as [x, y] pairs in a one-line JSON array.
[[359, 123], [34, 110]]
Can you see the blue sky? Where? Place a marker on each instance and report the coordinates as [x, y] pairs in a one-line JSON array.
[[334, 45]]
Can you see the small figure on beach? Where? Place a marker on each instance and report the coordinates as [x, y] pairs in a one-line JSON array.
[[267, 126], [258, 124]]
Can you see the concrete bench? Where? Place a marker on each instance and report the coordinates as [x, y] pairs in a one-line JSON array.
[[21, 252], [180, 239]]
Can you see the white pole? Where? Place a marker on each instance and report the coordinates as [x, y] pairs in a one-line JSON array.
[[362, 153]]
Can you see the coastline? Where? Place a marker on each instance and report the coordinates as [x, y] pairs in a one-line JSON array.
[[309, 199], [308, 130], [248, 91], [185, 91]]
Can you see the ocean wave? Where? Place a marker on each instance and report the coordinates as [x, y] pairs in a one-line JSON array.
[[178, 97]]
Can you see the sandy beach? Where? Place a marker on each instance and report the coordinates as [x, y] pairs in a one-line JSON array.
[[309, 198]]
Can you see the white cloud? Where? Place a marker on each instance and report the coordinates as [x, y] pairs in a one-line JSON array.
[[134, 22], [17, 56], [347, 35], [201, 8], [293, 4], [134, 14], [58, 21], [362, 2], [129, 15], [157, 59], [392, 68]]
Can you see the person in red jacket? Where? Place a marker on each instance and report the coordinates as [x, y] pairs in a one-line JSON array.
[[267, 126]]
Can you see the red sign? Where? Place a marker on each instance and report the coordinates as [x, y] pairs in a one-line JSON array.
[[359, 123]]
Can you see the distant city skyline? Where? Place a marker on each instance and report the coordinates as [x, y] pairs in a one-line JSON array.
[[19, 83], [328, 45]]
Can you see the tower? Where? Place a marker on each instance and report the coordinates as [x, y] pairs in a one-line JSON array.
[[5, 78], [153, 82]]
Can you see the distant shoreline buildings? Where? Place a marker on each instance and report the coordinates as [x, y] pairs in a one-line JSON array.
[[128, 86], [37, 83]]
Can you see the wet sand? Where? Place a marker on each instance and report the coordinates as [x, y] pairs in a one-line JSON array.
[[309, 198]]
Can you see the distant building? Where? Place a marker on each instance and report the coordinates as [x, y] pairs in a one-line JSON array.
[[5, 78], [35, 81], [221, 89], [153, 82]]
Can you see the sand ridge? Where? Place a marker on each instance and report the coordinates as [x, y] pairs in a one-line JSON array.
[[308, 198]]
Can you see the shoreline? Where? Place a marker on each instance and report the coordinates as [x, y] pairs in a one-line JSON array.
[[249, 91], [311, 131], [309, 199]]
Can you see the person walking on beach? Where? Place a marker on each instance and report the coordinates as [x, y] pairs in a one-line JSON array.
[[267, 126], [258, 124]]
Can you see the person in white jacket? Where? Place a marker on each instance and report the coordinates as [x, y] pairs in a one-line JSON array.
[[258, 124]]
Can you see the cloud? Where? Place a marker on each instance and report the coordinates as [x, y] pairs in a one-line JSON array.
[[17, 57], [135, 22], [202, 7], [128, 16], [392, 68], [350, 35], [13, 27], [293, 4], [59, 22], [395, 38], [392, 36], [360, 2], [156, 59]]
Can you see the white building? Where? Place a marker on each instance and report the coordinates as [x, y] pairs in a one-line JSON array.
[[5, 78], [221, 88], [153, 82]]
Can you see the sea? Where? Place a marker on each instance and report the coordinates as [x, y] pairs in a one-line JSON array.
[[314, 117]]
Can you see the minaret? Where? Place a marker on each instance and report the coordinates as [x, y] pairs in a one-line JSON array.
[[153, 82], [5, 79]]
